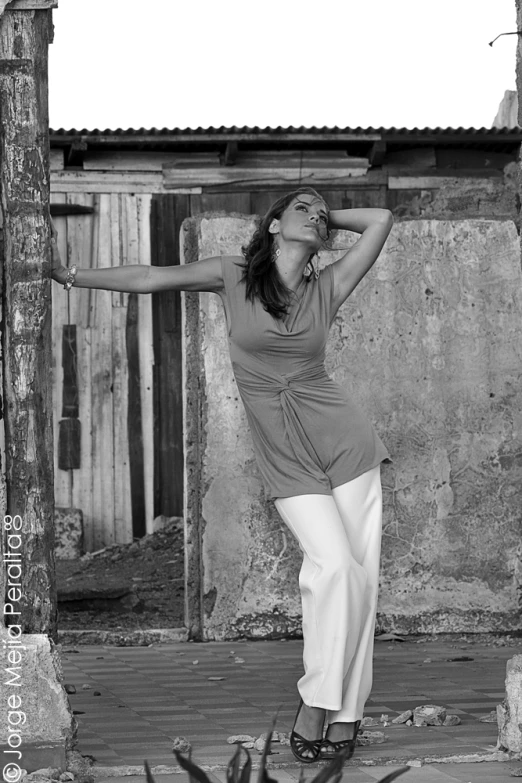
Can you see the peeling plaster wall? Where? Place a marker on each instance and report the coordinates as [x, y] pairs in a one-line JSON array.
[[430, 345]]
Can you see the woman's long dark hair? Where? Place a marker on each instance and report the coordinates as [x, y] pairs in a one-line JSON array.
[[259, 271]]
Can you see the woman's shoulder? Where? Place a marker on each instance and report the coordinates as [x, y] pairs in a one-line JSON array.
[[233, 266], [236, 260], [232, 269]]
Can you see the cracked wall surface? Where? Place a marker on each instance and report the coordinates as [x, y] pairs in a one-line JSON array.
[[430, 345], [34, 710]]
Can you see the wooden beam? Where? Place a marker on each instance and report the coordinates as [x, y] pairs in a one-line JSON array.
[[231, 153], [377, 153], [411, 158], [69, 366], [432, 182], [249, 135], [264, 169], [74, 154], [106, 182], [57, 210]]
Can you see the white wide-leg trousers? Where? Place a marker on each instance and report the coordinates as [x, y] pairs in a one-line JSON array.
[[340, 537]]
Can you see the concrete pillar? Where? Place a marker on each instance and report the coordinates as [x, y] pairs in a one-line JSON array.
[[509, 713], [36, 723]]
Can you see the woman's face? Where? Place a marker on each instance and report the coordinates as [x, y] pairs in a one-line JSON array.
[[305, 219]]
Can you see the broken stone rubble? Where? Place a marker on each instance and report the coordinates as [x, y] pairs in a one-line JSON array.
[[258, 743], [404, 717], [370, 738], [47, 774], [429, 715], [452, 720], [491, 717], [425, 715], [181, 744]]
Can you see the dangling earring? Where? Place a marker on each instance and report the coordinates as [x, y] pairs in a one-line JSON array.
[[276, 252]]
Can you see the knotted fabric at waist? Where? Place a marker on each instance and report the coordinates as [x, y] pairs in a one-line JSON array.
[[266, 383]]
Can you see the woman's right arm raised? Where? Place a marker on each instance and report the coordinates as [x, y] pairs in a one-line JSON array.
[[204, 275]]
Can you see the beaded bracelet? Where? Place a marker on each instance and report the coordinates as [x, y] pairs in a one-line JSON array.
[[69, 280]]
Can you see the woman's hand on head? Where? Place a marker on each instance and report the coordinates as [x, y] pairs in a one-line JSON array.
[[58, 271]]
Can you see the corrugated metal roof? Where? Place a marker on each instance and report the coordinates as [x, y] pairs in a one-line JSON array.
[[256, 130]]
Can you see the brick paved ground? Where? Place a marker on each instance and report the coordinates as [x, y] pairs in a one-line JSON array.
[[149, 695]]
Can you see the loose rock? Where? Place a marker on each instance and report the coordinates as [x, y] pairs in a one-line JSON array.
[[66, 776], [405, 716], [78, 764], [452, 720], [47, 773], [260, 744], [429, 715], [68, 689], [369, 721], [240, 738], [181, 744], [86, 686], [370, 738], [491, 717]]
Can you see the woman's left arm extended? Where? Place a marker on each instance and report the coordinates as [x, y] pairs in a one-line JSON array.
[[374, 225]]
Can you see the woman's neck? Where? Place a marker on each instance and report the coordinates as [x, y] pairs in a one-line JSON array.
[[291, 267]]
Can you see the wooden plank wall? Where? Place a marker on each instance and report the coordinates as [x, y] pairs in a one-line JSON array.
[[167, 215], [117, 233]]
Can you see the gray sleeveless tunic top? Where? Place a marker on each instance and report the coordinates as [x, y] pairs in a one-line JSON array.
[[308, 435]]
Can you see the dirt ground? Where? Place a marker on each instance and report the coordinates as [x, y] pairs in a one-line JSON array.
[[125, 587]]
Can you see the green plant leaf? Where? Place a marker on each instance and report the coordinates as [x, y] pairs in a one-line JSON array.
[[334, 770], [263, 776], [233, 766], [247, 769], [394, 774], [148, 773], [194, 771]]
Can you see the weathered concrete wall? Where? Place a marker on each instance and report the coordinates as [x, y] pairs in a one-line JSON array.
[[430, 345], [457, 198]]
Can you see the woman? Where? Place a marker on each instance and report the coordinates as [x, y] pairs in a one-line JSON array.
[[317, 453]]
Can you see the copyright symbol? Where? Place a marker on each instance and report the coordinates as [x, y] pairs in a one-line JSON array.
[[12, 772]]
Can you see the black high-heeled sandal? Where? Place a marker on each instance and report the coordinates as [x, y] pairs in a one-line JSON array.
[[330, 749], [298, 743]]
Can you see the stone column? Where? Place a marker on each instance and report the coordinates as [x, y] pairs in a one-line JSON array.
[[509, 713], [35, 719]]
